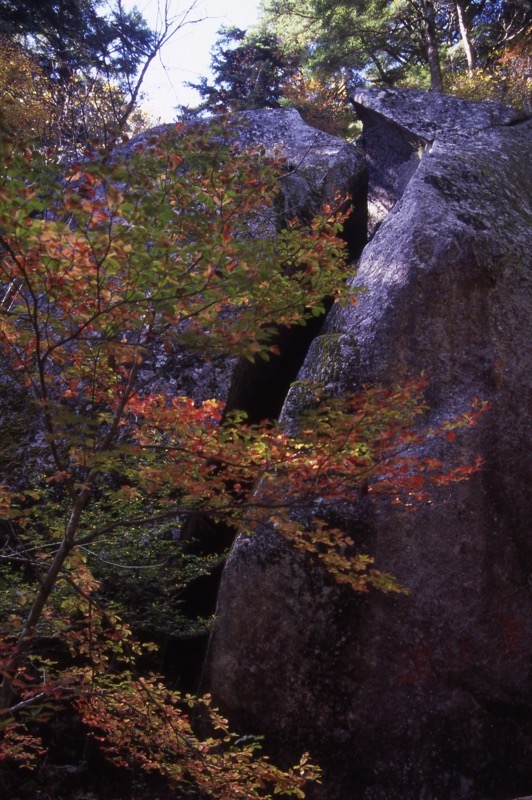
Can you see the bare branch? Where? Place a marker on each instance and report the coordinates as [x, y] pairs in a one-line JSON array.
[[168, 27]]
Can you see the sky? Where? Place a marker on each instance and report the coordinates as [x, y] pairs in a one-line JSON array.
[[187, 56]]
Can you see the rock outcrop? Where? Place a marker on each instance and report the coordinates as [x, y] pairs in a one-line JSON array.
[[399, 125], [426, 695], [318, 166], [315, 168]]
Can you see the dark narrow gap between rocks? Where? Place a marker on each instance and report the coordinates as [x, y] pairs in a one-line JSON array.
[[259, 389]]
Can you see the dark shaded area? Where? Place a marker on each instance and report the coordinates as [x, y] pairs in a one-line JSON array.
[[355, 232], [448, 742], [259, 388], [88, 776], [392, 157]]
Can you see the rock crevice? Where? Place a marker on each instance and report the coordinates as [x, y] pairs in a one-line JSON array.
[[401, 125]]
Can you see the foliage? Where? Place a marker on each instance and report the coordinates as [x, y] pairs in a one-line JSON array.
[[24, 108], [90, 110], [411, 42], [507, 79], [74, 34], [137, 720], [322, 104], [85, 109], [103, 271], [107, 269], [249, 71], [90, 59], [367, 40], [345, 42]]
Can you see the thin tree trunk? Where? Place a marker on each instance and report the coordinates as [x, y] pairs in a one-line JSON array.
[[47, 585], [431, 44], [382, 74], [465, 32]]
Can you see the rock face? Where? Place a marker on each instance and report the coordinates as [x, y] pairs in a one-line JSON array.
[[317, 164], [399, 125], [426, 695], [316, 167]]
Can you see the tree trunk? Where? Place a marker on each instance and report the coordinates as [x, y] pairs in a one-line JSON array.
[[47, 585], [465, 32], [431, 44]]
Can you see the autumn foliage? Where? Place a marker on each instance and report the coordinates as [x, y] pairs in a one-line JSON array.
[[24, 92], [106, 271]]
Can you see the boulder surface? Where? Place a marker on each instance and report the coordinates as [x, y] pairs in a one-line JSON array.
[[315, 169], [425, 695], [400, 124], [317, 165]]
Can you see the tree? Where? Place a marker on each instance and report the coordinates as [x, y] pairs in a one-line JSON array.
[[95, 62], [465, 24], [431, 45], [372, 39], [249, 71], [24, 106], [33, 105], [71, 35], [406, 42], [258, 69], [106, 269]]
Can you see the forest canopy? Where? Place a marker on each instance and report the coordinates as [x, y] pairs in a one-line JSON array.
[[311, 53]]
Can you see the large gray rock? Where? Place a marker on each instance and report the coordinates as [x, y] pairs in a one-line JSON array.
[[426, 695], [315, 168], [317, 165], [400, 124]]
